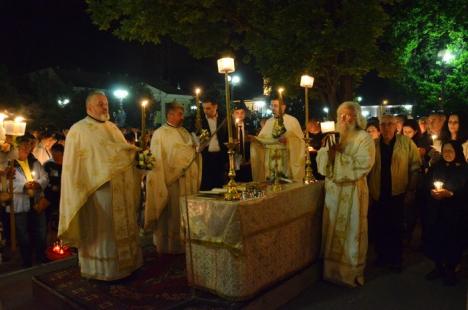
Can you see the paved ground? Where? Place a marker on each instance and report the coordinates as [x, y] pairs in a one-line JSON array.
[[383, 290], [386, 290]]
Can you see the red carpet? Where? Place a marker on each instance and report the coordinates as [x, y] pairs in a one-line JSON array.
[[160, 284]]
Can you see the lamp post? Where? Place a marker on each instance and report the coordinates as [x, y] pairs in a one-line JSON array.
[[307, 82], [446, 56], [226, 66], [121, 94], [384, 103], [235, 80]]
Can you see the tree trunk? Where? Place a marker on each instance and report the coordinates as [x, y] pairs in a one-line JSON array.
[[347, 88]]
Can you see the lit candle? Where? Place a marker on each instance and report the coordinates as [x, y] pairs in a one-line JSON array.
[[434, 137], [33, 174], [281, 101], [438, 185], [311, 149], [144, 103], [198, 124]]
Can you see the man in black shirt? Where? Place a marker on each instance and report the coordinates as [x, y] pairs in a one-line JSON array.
[[53, 168]]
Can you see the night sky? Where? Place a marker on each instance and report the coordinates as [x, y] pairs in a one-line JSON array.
[[44, 33]]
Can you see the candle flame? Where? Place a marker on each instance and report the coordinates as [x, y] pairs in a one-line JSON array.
[[281, 90], [144, 103], [438, 185], [434, 137], [197, 91]]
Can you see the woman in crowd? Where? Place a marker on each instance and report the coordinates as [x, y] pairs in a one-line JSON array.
[[445, 214], [456, 129], [373, 129]]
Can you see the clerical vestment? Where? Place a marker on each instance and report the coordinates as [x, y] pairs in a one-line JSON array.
[[176, 173], [100, 193], [344, 228], [267, 151]]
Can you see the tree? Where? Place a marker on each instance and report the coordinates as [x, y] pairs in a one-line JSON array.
[[337, 41], [424, 32]]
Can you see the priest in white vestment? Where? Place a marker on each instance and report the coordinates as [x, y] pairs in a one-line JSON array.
[[290, 147], [345, 165], [176, 173], [100, 194]]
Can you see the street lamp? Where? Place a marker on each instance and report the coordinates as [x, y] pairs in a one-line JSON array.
[[446, 57], [120, 117], [63, 102], [235, 80], [326, 110]]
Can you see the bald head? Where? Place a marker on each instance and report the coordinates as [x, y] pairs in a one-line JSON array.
[[97, 106]]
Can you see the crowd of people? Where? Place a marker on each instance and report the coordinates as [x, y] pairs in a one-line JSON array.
[[380, 177]]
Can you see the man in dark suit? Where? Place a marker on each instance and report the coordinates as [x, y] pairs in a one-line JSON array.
[[242, 131], [215, 158]]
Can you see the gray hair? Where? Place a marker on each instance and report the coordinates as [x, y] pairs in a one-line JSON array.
[[92, 94], [360, 120], [173, 106]]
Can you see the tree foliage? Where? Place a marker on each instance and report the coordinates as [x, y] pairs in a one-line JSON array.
[[422, 29], [336, 41]]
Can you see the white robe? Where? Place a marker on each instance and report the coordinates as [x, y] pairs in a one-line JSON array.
[[167, 183], [100, 194], [344, 230], [292, 162]]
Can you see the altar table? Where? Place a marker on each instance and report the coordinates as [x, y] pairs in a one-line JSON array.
[[240, 247]]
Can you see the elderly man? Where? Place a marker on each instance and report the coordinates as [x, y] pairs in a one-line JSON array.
[[345, 164], [392, 180], [100, 194], [176, 173], [290, 145]]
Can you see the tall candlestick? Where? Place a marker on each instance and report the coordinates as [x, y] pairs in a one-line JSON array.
[[198, 124], [144, 103], [307, 82], [226, 66]]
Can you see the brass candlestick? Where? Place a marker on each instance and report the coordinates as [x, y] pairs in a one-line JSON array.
[[226, 66], [144, 103], [307, 82], [276, 183], [198, 122]]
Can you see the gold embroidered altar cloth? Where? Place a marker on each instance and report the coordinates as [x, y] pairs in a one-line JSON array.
[[242, 247]]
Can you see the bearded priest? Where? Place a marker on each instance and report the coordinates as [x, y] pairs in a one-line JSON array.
[[289, 144], [100, 194], [345, 163], [176, 173]]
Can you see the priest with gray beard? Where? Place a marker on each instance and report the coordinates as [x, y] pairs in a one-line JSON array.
[[345, 163]]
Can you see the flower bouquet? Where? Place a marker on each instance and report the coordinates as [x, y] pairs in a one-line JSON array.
[[145, 160]]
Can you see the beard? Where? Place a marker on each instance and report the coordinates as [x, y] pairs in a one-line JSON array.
[[346, 130], [104, 117]]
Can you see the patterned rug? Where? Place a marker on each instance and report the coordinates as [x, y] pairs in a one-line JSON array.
[[160, 284]]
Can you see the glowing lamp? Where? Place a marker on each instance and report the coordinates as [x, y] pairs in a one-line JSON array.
[[328, 126], [16, 127], [307, 81], [226, 65]]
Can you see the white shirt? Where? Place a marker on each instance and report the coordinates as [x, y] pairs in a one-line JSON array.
[[214, 143]]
